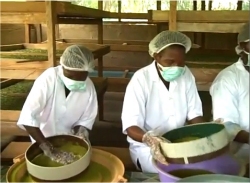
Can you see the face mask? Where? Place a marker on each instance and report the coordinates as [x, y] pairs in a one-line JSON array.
[[73, 85], [172, 73]]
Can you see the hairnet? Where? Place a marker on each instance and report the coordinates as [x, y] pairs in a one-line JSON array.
[[168, 38], [77, 58], [243, 36]]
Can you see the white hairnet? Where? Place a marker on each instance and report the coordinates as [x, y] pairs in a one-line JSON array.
[[168, 38], [243, 36], [77, 58]]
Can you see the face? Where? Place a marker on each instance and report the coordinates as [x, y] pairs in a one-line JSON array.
[[75, 75], [171, 56], [245, 46]]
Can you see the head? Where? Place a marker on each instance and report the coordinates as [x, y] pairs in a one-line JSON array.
[[242, 48], [77, 62], [169, 49]]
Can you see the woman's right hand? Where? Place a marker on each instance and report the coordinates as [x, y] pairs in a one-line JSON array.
[[153, 142], [57, 155]]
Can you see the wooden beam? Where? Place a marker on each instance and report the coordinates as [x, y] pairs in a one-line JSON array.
[[51, 21], [173, 16], [222, 16], [119, 9], [39, 36], [210, 27], [25, 7], [27, 33], [11, 47], [8, 82], [77, 20], [128, 15], [22, 18], [70, 9]]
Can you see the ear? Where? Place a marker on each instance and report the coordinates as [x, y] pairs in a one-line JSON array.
[[157, 56], [243, 45]]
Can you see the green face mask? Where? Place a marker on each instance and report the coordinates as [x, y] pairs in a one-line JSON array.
[[73, 85], [172, 73]]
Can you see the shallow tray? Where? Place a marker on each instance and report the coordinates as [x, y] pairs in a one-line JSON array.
[[104, 167], [214, 178]]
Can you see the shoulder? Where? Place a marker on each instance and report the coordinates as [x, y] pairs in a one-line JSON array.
[[227, 78], [227, 75], [139, 79]]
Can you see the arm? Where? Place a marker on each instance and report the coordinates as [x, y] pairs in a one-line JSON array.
[[224, 99], [88, 117], [33, 106], [195, 113], [133, 111]]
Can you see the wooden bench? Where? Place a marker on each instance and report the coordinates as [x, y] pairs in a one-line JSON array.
[[15, 149]]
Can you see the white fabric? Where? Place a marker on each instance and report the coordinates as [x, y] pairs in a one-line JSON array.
[[47, 107], [230, 97], [168, 38], [149, 105]]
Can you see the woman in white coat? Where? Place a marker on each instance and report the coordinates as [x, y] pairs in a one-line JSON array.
[[62, 101], [230, 97], [160, 97]]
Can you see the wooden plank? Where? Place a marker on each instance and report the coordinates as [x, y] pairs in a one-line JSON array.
[[51, 21], [8, 82], [128, 15], [222, 16], [173, 16], [27, 33], [210, 27], [11, 47], [63, 46], [69, 9], [23, 7], [22, 18]]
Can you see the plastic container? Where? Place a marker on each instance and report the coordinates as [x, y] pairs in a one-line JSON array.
[[114, 165], [62, 172], [224, 164], [209, 141], [215, 178]]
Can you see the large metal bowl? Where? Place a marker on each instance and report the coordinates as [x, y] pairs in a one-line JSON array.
[[61, 173]]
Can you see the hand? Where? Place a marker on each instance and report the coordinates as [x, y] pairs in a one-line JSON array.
[[219, 120], [57, 155], [154, 143], [82, 133]]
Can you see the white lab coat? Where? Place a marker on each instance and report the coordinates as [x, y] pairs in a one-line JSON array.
[[230, 97], [47, 107], [149, 105]]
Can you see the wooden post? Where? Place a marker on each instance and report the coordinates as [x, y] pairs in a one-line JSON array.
[[119, 9], [100, 64], [173, 16], [51, 21], [39, 38], [100, 40], [27, 33], [158, 7]]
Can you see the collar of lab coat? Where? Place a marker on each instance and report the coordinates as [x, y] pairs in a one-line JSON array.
[[239, 64], [153, 72]]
